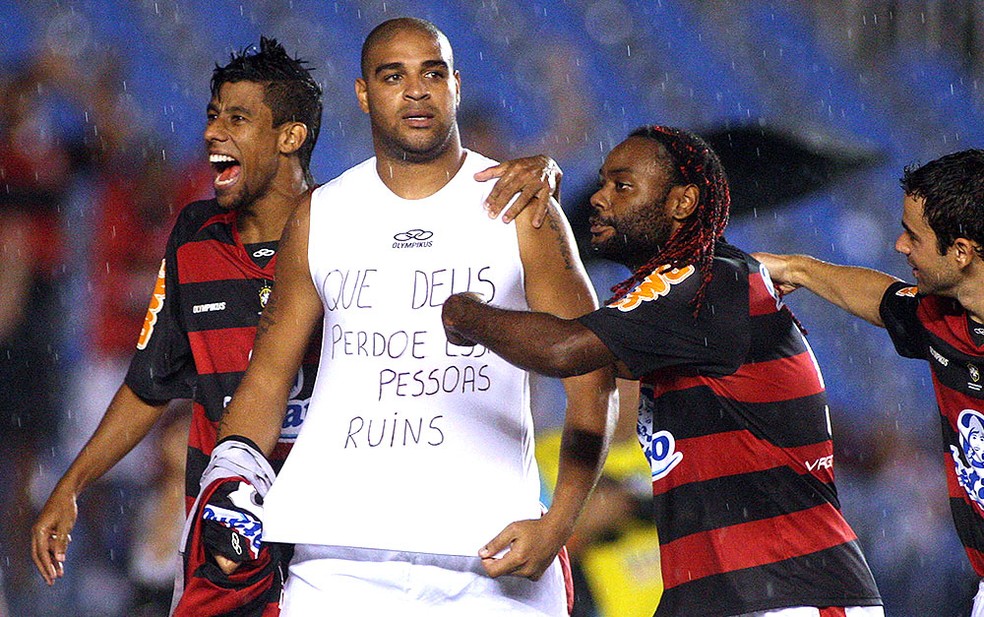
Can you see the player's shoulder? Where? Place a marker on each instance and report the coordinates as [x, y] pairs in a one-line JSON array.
[[353, 177], [476, 162], [194, 216]]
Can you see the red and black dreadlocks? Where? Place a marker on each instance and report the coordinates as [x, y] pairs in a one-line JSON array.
[[691, 162]]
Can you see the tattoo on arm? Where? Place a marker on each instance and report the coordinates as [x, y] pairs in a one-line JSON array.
[[268, 317], [565, 247]]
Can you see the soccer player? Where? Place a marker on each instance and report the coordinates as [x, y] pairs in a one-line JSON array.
[[732, 416], [412, 488], [940, 319], [262, 124]]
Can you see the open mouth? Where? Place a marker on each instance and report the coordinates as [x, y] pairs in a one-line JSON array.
[[418, 118], [599, 228], [227, 170]]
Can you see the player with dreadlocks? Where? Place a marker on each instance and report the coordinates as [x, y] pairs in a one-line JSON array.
[[732, 416]]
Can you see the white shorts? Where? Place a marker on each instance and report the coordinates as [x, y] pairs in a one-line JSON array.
[[349, 581], [812, 611], [978, 610]]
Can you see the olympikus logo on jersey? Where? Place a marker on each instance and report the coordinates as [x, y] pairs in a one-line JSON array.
[[413, 238], [156, 304], [208, 308], [264, 252], [655, 286]]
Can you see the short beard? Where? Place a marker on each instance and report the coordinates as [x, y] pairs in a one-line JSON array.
[[637, 240], [627, 250], [399, 150]]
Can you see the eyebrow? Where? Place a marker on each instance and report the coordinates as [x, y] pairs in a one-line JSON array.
[[618, 170], [234, 109], [393, 66]]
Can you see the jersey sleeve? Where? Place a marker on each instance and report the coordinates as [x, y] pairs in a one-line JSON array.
[[654, 327], [898, 312], [163, 367]]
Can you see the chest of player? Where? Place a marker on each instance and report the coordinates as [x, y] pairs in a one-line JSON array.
[[960, 376], [220, 287], [400, 269]]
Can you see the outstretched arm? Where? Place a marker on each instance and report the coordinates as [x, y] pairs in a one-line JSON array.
[[556, 283], [127, 420], [858, 291]]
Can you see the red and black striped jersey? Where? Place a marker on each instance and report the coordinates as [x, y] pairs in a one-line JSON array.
[[198, 333], [733, 419], [940, 331]]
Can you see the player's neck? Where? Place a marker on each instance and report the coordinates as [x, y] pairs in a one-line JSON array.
[[417, 180], [265, 218], [971, 294]]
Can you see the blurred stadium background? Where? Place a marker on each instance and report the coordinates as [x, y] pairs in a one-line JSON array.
[[815, 108]]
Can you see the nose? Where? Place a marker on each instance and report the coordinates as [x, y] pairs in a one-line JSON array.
[[214, 131], [902, 244], [597, 200], [416, 88]]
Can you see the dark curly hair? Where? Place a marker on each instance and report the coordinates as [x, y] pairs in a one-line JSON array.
[[291, 92], [692, 161]]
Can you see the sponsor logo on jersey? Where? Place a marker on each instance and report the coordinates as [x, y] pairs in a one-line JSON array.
[[824, 462], [907, 292], [938, 356], [979, 331], [264, 252], [296, 408], [208, 308], [660, 446], [769, 285], [156, 304], [968, 458], [296, 411], [413, 238], [655, 286]]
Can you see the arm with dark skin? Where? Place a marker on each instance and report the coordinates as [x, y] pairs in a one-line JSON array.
[[258, 406], [532, 181], [293, 312], [556, 282], [126, 422], [535, 341]]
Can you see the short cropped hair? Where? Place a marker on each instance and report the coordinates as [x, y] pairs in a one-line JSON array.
[[290, 91]]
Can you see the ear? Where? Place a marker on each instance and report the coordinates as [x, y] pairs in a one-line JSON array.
[[292, 137], [964, 251], [682, 201], [361, 93], [457, 95]]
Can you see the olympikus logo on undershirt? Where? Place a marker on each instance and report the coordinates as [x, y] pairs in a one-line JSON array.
[[413, 238], [208, 308]]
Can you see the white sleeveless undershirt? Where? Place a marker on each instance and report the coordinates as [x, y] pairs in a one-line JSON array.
[[409, 443]]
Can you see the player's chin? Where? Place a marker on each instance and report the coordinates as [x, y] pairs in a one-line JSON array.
[[228, 199]]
